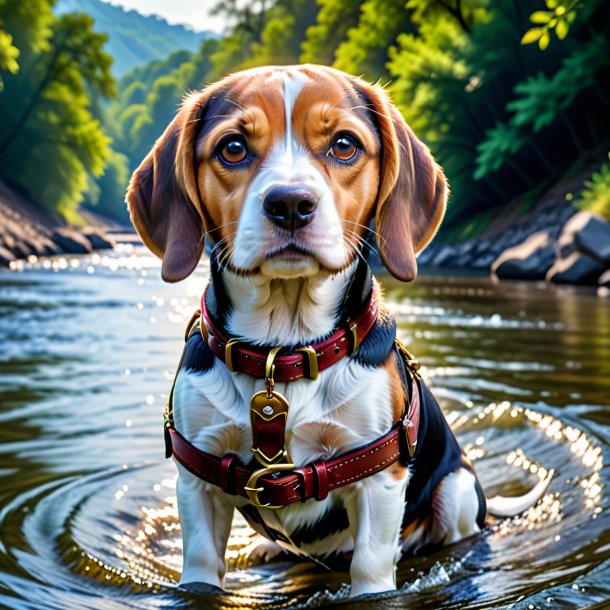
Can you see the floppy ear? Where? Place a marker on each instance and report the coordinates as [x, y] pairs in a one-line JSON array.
[[412, 191], [163, 195]]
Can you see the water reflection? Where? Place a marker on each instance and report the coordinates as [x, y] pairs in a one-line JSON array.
[[89, 519]]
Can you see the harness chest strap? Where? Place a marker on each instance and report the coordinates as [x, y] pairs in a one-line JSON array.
[[315, 480]]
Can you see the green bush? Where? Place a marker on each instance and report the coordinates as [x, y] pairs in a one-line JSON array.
[[596, 195]]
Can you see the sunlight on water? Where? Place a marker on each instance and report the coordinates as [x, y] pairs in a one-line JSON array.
[[89, 510]]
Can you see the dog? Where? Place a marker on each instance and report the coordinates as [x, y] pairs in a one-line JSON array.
[[283, 169]]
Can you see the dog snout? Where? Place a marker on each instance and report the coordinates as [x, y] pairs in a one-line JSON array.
[[290, 207]]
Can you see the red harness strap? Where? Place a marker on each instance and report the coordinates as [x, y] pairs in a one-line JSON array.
[[312, 481], [304, 361]]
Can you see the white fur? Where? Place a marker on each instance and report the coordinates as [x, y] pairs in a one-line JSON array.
[[455, 506], [289, 163], [348, 405]]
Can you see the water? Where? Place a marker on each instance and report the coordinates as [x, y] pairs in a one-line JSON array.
[[87, 503]]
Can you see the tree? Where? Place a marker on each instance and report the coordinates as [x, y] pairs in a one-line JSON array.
[[51, 141]]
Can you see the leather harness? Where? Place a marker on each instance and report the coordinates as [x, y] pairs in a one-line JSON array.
[[279, 483]]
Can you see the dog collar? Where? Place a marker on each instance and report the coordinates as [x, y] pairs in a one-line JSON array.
[[299, 362]]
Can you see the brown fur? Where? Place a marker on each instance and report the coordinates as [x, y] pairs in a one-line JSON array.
[[180, 189]]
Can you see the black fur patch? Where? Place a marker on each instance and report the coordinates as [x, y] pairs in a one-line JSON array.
[[333, 521], [378, 344], [198, 357], [437, 455], [216, 299]]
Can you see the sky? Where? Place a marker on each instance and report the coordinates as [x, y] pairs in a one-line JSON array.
[[193, 13]]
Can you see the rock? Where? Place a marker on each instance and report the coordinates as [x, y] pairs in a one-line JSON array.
[[6, 257], [566, 245], [578, 268], [442, 259], [71, 242], [49, 248], [483, 262], [99, 240], [590, 234], [530, 260]]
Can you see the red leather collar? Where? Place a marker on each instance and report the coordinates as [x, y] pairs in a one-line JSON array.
[[246, 358], [315, 480]]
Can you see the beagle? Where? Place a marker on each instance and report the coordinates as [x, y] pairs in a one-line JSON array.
[[283, 169]]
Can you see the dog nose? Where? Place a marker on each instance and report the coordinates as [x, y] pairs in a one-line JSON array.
[[290, 207]]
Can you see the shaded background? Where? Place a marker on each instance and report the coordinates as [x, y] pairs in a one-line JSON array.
[[512, 96]]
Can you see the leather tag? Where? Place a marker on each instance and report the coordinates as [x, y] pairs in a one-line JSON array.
[[268, 415]]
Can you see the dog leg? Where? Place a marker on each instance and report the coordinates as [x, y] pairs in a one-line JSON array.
[[455, 505], [375, 509], [205, 516]]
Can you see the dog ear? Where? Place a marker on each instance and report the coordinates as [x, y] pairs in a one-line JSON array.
[[412, 191], [163, 195]]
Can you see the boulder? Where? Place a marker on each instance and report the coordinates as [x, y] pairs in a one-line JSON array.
[[99, 240], [578, 268], [529, 260], [443, 258], [588, 233], [6, 257], [71, 242]]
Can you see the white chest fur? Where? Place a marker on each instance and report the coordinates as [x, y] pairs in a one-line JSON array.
[[347, 406]]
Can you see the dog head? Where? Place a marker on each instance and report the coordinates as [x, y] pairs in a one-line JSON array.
[[284, 168]]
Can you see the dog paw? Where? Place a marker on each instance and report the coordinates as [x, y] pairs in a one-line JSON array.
[[201, 587]]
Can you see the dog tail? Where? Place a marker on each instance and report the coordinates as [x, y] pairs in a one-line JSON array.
[[502, 506]]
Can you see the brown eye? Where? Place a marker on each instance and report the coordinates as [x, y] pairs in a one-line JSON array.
[[233, 150], [344, 148]]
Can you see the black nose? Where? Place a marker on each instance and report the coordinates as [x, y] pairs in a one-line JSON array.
[[290, 207]]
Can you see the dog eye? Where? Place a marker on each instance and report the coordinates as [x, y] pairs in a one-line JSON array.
[[233, 150], [344, 148]]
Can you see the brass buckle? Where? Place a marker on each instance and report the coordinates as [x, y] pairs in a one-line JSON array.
[[192, 325], [406, 425], [252, 490], [312, 360], [355, 342], [231, 343]]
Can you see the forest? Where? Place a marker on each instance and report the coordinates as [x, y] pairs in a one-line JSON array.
[[512, 96]]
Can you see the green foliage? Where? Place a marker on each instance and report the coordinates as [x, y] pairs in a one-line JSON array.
[[365, 50], [22, 26], [107, 195], [502, 118], [146, 106], [51, 142], [558, 17], [8, 56], [595, 197], [333, 23]]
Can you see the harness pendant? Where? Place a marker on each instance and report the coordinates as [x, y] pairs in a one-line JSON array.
[[268, 416]]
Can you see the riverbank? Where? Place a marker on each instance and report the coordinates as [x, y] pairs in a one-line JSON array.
[[27, 232], [555, 242]]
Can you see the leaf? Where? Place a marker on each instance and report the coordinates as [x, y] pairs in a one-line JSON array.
[[532, 35], [562, 29], [543, 43], [541, 17]]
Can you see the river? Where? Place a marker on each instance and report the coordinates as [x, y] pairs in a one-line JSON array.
[[88, 515]]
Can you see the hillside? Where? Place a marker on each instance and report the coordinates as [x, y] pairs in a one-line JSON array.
[[133, 38]]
